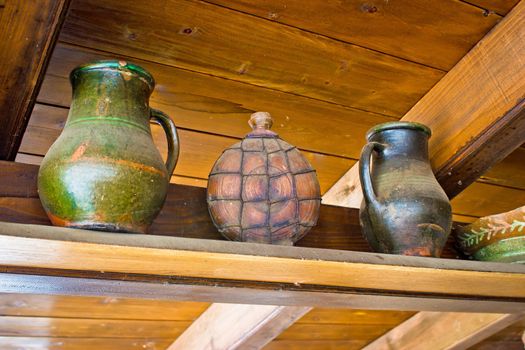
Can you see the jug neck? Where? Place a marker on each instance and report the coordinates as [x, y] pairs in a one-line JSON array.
[[113, 91], [406, 140]]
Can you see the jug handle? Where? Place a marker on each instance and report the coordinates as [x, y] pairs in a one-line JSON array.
[[171, 135], [364, 172]]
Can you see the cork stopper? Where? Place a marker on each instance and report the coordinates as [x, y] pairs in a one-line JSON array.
[[261, 122]]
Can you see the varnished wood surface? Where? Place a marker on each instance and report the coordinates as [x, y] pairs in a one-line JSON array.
[[510, 338], [446, 29], [501, 7], [436, 330], [29, 30], [210, 39], [44, 343], [509, 172], [200, 260], [353, 317], [238, 326], [84, 328], [54, 306]]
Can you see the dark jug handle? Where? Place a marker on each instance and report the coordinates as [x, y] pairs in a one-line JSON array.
[[364, 172], [171, 134]]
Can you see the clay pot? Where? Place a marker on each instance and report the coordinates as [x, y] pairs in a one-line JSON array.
[[262, 189], [404, 210], [104, 172], [498, 237]]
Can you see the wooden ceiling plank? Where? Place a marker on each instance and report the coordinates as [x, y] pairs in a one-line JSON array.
[[214, 40], [85, 328], [470, 110], [440, 331], [387, 27], [38, 305], [219, 106], [238, 326], [315, 345], [39, 343], [501, 7], [29, 32], [354, 317]]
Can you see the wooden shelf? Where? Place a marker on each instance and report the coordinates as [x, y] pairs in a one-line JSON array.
[[51, 260]]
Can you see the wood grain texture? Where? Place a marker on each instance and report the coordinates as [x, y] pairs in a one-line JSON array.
[[143, 255], [40, 343], [482, 199], [198, 153], [204, 103], [443, 330], [53, 306], [315, 345], [446, 30], [237, 326], [354, 317], [83, 328], [221, 292], [499, 6], [469, 102], [214, 40], [490, 147], [510, 172], [29, 32], [510, 338]]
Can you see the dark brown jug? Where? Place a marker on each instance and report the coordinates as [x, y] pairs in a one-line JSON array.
[[404, 210], [104, 171]]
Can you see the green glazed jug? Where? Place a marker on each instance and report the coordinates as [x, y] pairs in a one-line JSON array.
[[104, 171]]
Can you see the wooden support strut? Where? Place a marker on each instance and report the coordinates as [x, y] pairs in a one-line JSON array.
[[29, 30], [440, 331]]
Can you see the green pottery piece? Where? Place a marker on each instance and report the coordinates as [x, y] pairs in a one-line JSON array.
[[498, 238], [104, 171], [404, 210]]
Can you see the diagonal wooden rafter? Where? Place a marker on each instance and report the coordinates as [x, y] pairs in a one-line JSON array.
[[254, 326], [440, 330], [477, 116]]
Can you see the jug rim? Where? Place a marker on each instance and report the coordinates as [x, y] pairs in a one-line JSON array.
[[120, 65], [398, 125]]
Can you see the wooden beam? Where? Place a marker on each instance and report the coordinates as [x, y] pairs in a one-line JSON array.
[[238, 326], [29, 32], [185, 213], [265, 268], [476, 112], [440, 331]]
